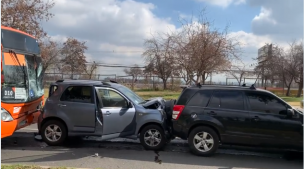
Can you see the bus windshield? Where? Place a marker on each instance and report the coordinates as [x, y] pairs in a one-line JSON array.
[[22, 78]]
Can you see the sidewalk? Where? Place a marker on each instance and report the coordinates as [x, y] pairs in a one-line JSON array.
[[38, 167]]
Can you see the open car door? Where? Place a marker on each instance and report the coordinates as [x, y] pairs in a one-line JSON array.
[[117, 113], [98, 115]]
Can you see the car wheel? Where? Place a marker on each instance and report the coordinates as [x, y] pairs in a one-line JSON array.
[[152, 137], [53, 133], [203, 141]]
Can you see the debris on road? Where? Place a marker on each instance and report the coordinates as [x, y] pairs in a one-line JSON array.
[[156, 157], [95, 155]]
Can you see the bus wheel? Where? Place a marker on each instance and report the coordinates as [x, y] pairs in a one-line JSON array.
[[53, 133]]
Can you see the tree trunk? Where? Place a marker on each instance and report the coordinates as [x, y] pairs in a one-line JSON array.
[[300, 88], [165, 84], [132, 83], [288, 89], [204, 78], [172, 82]]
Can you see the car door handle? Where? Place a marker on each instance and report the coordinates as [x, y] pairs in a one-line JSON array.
[[256, 118], [211, 113], [61, 105], [107, 113]]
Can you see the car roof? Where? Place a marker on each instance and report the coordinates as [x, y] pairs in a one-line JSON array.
[[225, 87], [85, 82]]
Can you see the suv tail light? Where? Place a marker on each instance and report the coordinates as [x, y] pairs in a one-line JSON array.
[[177, 110]]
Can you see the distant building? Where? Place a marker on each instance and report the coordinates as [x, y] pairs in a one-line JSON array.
[[264, 52]]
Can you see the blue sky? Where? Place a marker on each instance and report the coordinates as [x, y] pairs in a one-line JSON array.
[[116, 29], [238, 16]]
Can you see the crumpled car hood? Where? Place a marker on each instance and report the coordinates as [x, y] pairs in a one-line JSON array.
[[154, 103]]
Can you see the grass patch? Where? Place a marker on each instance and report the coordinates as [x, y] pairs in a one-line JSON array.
[[166, 94], [292, 99]]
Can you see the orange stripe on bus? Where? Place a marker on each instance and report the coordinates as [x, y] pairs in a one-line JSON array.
[[10, 59]]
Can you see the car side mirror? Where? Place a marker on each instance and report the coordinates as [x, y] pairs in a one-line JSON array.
[[129, 104], [290, 113]]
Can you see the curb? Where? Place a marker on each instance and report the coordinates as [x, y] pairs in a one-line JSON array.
[[44, 167]]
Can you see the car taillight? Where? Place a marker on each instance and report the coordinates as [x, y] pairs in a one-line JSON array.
[[177, 110]]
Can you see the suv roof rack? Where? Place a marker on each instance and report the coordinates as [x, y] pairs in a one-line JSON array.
[[60, 80], [199, 85], [113, 81], [252, 87]]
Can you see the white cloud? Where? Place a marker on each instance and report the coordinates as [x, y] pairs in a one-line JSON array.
[[279, 19], [223, 3], [107, 25], [250, 44], [265, 15]]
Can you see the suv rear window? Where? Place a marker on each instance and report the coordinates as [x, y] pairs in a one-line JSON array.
[[201, 98], [77, 94], [227, 100], [185, 96]]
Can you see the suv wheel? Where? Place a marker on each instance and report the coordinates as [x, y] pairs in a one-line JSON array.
[[203, 141], [53, 132], [152, 137]]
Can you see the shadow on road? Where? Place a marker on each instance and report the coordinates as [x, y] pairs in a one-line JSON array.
[[76, 149]]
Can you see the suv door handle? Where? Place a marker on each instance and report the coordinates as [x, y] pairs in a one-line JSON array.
[[107, 113], [61, 105], [211, 113], [256, 118]]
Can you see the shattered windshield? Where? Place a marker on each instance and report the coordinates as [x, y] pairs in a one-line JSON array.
[[22, 75]]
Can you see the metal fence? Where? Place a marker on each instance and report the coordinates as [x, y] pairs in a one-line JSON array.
[[173, 83]]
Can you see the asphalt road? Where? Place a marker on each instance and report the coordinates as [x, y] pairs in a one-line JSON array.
[[22, 148]]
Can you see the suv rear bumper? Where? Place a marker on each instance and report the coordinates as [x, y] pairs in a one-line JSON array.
[[178, 130]]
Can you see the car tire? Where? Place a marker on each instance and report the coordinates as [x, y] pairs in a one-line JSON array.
[[145, 134], [208, 137], [60, 128]]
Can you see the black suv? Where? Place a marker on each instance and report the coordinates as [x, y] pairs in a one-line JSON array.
[[210, 115]]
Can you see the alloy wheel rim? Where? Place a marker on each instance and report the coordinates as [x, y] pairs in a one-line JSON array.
[[203, 141], [53, 133], [152, 137]]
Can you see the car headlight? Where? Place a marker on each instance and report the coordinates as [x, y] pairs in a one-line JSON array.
[[5, 115]]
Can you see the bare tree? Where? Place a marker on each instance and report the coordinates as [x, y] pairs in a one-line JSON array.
[[238, 72], [267, 67], [73, 58], [135, 72], [204, 49], [288, 66], [50, 53], [159, 53], [90, 69], [296, 54], [26, 15]]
